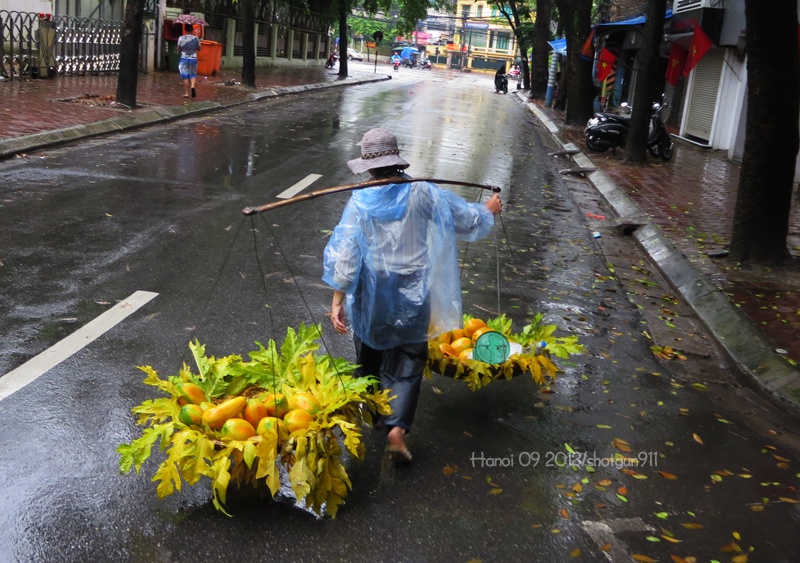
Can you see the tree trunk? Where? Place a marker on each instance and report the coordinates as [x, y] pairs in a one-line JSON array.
[[343, 11], [649, 84], [248, 19], [761, 217], [540, 68], [129, 53], [577, 17]]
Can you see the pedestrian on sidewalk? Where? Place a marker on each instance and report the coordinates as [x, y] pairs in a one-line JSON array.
[[188, 45], [393, 265]]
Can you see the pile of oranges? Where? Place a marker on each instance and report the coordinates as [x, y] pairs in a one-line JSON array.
[[459, 343]]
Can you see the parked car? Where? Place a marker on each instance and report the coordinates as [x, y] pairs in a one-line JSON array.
[[354, 55]]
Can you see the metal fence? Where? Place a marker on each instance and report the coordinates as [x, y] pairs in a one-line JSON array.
[[37, 46]]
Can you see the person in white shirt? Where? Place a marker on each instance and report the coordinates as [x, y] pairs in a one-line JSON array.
[[188, 45]]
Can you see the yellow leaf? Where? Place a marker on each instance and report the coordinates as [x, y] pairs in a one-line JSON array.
[[737, 536], [643, 558], [577, 487], [621, 444], [555, 531], [692, 526], [670, 539], [604, 482], [449, 470], [497, 491], [787, 499], [697, 438], [575, 552], [605, 547], [739, 558], [757, 507], [677, 559]]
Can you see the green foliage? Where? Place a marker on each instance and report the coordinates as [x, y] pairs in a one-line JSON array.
[[533, 360], [312, 455]]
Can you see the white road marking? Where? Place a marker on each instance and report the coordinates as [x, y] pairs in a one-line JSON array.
[[28, 372], [299, 186]]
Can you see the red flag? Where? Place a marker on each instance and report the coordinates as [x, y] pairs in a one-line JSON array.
[[605, 64], [587, 50], [677, 59], [700, 45]]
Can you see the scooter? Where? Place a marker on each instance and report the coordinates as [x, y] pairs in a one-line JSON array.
[[331, 60], [609, 130], [426, 65], [396, 65], [501, 84]]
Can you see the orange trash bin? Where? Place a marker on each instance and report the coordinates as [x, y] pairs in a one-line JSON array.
[[209, 58]]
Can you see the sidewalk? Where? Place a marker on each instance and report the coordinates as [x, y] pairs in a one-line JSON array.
[[687, 208], [686, 204]]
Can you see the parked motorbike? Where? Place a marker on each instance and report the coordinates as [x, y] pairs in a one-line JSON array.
[[501, 84], [609, 130], [331, 60], [426, 65], [513, 74]]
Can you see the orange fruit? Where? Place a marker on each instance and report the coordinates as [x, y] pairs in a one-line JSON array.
[[464, 355], [472, 325], [254, 410], [456, 334], [297, 419], [270, 424], [461, 344], [237, 429], [477, 334], [448, 350], [444, 338], [305, 401], [277, 405]]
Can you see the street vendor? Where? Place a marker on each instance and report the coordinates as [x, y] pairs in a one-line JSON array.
[[392, 262]]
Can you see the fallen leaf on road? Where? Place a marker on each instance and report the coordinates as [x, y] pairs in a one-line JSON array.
[[697, 438], [643, 558], [575, 552], [621, 444], [564, 513], [666, 475]]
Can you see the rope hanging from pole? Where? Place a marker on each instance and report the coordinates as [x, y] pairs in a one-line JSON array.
[[360, 186]]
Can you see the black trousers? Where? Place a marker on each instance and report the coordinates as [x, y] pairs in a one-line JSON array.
[[400, 370]]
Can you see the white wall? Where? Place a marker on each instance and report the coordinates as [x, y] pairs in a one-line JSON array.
[[37, 6]]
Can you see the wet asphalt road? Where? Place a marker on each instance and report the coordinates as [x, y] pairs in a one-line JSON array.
[[85, 226]]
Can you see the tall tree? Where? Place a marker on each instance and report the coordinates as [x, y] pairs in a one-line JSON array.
[[247, 15], [761, 217], [344, 10], [129, 53], [576, 15], [649, 83], [540, 67], [518, 16]]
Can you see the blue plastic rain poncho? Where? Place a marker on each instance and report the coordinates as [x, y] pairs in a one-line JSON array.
[[395, 257]]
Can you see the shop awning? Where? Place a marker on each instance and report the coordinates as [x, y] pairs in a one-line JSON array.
[[633, 21], [559, 45]]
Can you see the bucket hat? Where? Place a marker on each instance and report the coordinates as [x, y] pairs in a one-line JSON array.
[[378, 150]]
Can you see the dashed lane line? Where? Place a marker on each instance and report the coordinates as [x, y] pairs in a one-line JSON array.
[[299, 186], [28, 372]]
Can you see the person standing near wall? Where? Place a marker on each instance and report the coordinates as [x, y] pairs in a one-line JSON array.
[[188, 45]]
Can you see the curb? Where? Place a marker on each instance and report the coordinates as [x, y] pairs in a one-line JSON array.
[[159, 114], [758, 366]]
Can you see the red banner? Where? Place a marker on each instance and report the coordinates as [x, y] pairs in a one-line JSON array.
[[587, 50], [606, 64], [677, 60], [699, 47]]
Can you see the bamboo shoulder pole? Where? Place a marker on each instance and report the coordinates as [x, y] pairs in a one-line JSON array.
[[359, 186]]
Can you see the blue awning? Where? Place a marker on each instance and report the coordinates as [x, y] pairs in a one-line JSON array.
[[633, 21], [559, 45]]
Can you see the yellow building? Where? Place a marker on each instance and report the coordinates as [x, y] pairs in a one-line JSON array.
[[483, 39]]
